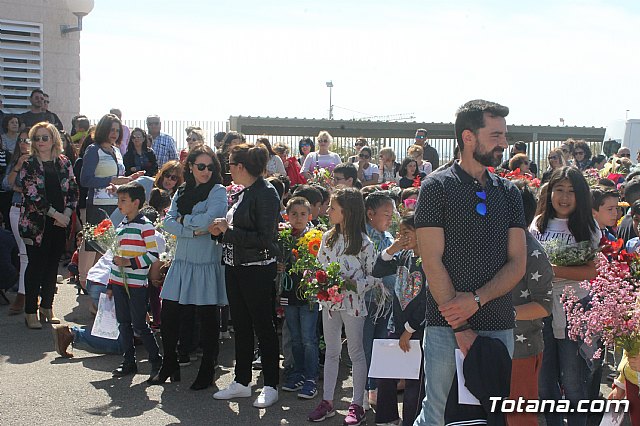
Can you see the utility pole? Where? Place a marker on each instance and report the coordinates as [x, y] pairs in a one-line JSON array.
[[330, 86]]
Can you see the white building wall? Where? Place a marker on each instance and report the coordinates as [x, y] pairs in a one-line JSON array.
[[61, 53]]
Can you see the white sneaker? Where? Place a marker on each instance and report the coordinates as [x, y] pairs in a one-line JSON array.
[[59, 279], [267, 397], [224, 335], [234, 390]]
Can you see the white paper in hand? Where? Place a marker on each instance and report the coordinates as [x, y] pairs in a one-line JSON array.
[[464, 395], [612, 419], [388, 361], [105, 324]]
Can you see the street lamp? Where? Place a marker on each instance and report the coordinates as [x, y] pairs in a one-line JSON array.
[[330, 86], [79, 8]]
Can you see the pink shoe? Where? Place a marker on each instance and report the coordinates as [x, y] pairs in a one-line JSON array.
[[355, 417], [322, 412]]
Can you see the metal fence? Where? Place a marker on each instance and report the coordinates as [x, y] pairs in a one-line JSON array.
[[537, 151]]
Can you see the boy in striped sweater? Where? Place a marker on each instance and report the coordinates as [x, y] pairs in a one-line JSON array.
[[138, 250]]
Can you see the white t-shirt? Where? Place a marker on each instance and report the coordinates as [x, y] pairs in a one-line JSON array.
[[558, 229], [326, 161], [373, 169], [425, 167]]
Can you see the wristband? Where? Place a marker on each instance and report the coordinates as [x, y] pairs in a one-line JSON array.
[[476, 298], [463, 327]]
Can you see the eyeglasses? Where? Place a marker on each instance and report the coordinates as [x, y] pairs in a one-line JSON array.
[[304, 144], [552, 158], [323, 140], [365, 156], [202, 166], [578, 153], [23, 140], [172, 177], [44, 138], [481, 207]]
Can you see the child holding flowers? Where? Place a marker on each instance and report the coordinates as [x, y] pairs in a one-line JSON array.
[[560, 219], [301, 314], [347, 245]]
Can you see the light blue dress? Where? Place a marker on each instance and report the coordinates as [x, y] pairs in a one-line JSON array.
[[196, 275]]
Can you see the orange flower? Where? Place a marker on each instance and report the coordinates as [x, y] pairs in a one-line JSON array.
[[102, 227], [314, 246], [295, 253]]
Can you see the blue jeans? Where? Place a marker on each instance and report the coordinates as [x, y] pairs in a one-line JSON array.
[[95, 290], [83, 339], [373, 329], [440, 367], [131, 313], [562, 363], [302, 322]]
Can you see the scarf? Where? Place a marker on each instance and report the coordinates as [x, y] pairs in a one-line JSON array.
[[189, 196]]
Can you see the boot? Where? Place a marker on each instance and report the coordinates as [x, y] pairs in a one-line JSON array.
[[205, 374], [62, 338], [32, 321], [170, 369], [17, 307], [47, 314]]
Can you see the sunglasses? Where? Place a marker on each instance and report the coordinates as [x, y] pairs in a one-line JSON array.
[[552, 158], [625, 155], [192, 139], [305, 144], [44, 138], [323, 140], [481, 207], [360, 144], [421, 136], [137, 137], [202, 166], [172, 177], [23, 140], [153, 123], [565, 150], [366, 156]]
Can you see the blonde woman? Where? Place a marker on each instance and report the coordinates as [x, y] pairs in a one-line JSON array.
[[388, 168], [322, 158], [50, 196]]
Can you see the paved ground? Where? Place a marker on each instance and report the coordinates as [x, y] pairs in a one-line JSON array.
[[38, 386]]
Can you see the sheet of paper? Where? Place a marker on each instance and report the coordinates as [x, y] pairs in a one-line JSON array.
[[612, 419], [105, 324], [464, 395], [388, 361]]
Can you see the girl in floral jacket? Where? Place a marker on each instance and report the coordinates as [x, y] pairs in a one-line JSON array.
[[50, 196]]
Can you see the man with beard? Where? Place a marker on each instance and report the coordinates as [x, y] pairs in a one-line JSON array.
[[470, 227]]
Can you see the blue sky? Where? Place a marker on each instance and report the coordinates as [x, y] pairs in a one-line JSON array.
[[209, 60]]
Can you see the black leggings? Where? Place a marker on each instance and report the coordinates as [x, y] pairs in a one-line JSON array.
[[42, 271]]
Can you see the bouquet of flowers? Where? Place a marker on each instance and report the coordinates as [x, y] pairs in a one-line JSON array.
[[533, 182], [322, 177], [575, 254], [104, 237], [592, 176], [612, 312], [171, 242], [318, 283]]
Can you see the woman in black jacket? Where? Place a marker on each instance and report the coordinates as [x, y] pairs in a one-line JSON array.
[[249, 236], [139, 155]]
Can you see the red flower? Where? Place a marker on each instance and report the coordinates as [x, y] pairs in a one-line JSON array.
[[384, 186], [417, 181], [321, 276], [102, 227], [491, 169], [323, 296]]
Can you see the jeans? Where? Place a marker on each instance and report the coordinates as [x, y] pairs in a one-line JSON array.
[[131, 313], [250, 290], [373, 329], [83, 339], [562, 364], [95, 290], [14, 218], [440, 367], [42, 270], [302, 322]]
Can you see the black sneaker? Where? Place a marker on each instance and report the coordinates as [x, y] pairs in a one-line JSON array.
[[184, 360], [125, 370]]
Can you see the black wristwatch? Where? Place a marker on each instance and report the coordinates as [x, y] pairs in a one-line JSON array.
[[463, 327], [476, 298]]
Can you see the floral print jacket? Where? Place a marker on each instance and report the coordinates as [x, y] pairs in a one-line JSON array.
[[358, 268], [35, 205]]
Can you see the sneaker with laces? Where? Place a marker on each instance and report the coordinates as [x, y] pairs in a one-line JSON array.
[[293, 383], [234, 390], [267, 397], [309, 390], [322, 412], [355, 417]]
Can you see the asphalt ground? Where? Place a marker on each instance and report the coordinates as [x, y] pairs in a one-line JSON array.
[[38, 386]]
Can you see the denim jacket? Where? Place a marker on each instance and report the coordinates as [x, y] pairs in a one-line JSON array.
[[35, 206]]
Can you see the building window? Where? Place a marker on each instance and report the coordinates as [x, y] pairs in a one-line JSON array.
[[20, 63]]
